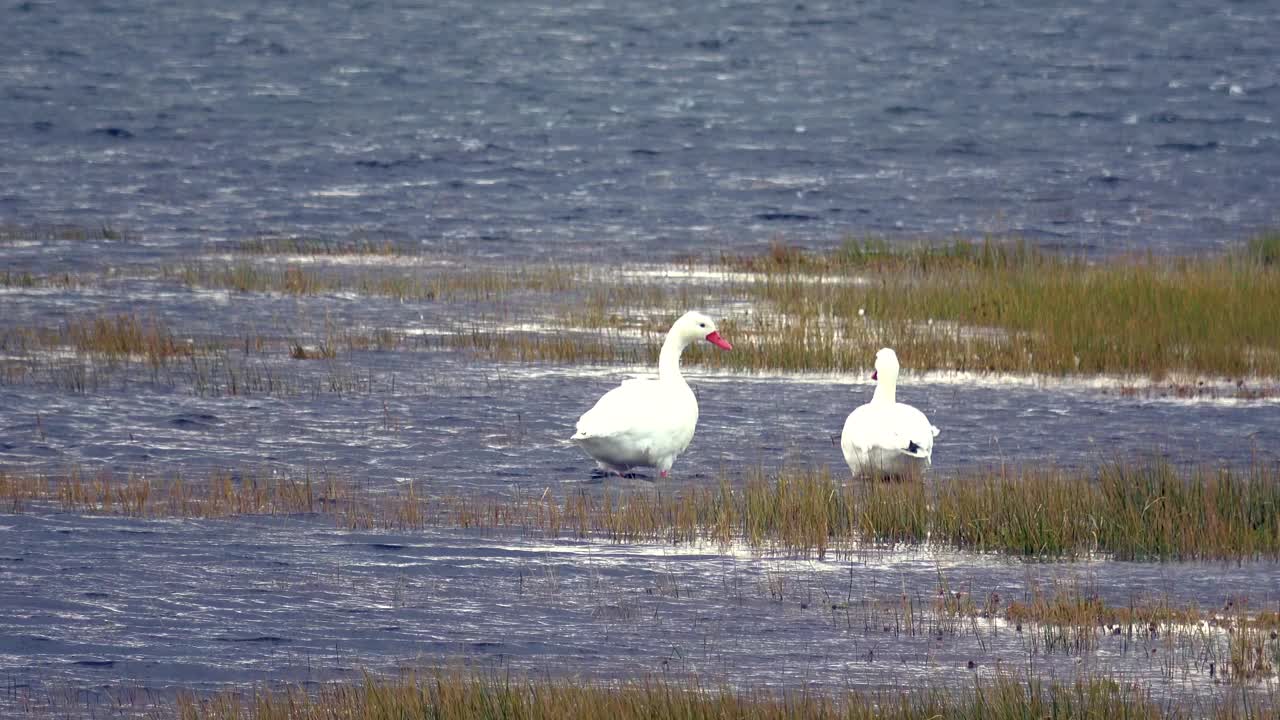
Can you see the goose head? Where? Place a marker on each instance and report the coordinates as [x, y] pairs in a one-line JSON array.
[[886, 366], [694, 326]]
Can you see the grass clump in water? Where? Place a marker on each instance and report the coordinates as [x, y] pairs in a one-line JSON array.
[[989, 306], [471, 696], [997, 307], [1127, 512], [1264, 248], [123, 336], [294, 245], [449, 285]]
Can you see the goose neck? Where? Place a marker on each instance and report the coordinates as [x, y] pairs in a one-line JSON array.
[[886, 391], [669, 359]]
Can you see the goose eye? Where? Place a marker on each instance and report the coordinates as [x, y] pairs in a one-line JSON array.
[[702, 325]]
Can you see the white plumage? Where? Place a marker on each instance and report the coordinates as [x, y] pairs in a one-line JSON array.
[[885, 437], [648, 422]]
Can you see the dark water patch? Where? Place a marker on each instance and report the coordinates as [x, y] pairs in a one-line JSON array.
[[1080, 115], [962, 148], [906, 110], [268, 639], [116, 133], [784, 217], [195, 421], [95, 663], [1189, 147], [389, 164]]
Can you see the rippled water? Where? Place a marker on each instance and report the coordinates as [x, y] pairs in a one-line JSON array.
[[98, 605], [291, 599], [612, 129], [634, 131]]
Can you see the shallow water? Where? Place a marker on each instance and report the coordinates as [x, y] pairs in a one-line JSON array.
[[598, 134], [473, 427], [205, 603], [614, 130], [97, 605]]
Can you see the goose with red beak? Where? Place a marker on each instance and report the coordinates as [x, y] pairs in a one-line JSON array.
[[646, 422]]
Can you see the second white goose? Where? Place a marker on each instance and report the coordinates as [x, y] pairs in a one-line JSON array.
[[885, 437]]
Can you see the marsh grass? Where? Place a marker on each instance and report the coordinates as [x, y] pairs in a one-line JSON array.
[[120, 337], [1051, 314], [1127, 512], [12, 233], [1074, 619], [404, 284], [25, 279], [975, 306], [985, 306], [220, 494], [459, 695], [294, 245], [86, 353], [1264, 248], [978, 307]]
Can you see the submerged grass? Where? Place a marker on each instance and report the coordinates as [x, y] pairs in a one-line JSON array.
[[455, 695], [13, 234], [1008, 307], [978, 307], [295, 245], [220, 494], [444, 285], [1128, 512]]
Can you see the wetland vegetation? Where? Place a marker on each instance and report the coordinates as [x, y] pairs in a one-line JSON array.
[[1142, 512], [985, 306], [979, 306], [458, 695]]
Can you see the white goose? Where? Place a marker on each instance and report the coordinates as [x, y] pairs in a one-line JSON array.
[[886, 437], [645, 422]]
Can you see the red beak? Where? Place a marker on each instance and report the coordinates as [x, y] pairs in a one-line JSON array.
[[715, 339], [875, 375]]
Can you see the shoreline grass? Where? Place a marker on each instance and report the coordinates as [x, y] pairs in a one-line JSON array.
[[1051, 314], [462, 695], [1126, 512], [968, 307], [988, 306], [321, 246], [403, 284]]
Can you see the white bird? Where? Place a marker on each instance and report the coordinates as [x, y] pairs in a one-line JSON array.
[[645, 422], [885, 437]]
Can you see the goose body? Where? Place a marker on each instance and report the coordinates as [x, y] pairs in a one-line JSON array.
[[885, 437], [648, 422]]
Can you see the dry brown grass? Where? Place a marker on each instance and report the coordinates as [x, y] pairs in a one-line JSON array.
[[220, 494], [458, 695], [1128, 512], [407, 284], [979, 307]]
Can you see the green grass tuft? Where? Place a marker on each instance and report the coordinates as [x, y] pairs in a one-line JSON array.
[[455, 695]]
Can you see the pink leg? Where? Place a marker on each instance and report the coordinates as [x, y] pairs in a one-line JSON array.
[[663, 473]]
